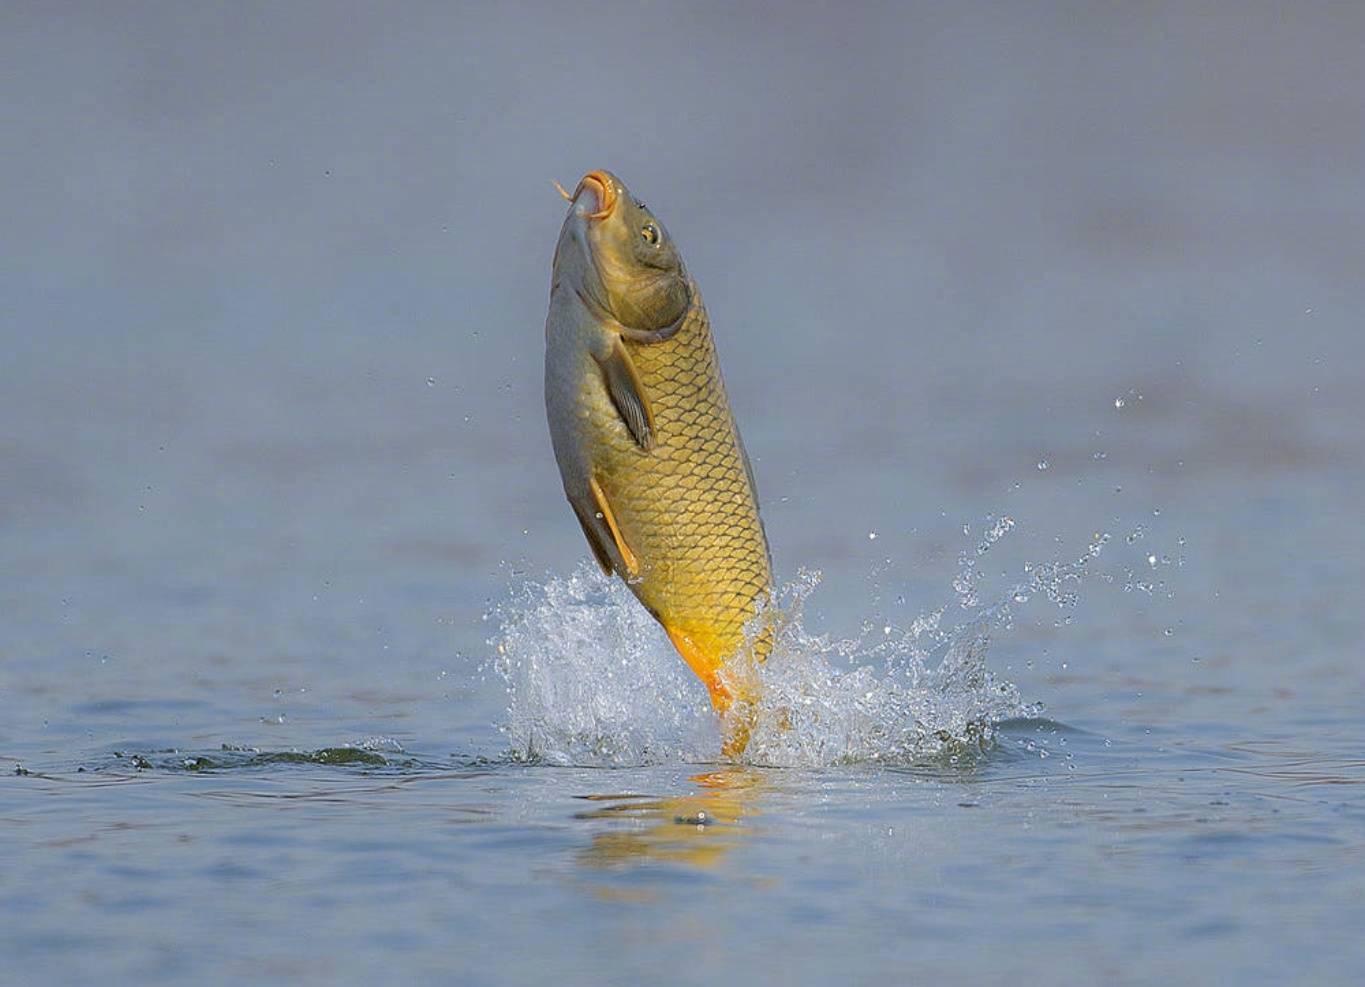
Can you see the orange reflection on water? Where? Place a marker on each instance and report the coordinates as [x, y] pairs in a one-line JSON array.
[[698, 828]]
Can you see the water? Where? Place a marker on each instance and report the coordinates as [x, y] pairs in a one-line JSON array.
[[1043, 330]]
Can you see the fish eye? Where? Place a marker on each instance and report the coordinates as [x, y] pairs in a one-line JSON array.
[[650, 232]]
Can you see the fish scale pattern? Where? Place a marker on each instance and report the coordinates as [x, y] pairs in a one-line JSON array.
[[687, 508]]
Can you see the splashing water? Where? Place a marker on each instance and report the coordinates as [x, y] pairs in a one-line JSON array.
[[592, 679]]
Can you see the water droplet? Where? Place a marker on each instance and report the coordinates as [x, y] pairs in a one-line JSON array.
[[1151, 561], [871, 536], [1118, 403]]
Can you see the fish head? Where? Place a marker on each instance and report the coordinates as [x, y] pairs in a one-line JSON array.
[[619, 257]]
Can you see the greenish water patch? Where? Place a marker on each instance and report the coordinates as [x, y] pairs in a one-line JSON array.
[[231, 758]]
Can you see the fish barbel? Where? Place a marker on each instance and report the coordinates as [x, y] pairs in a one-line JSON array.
[[651, 458]]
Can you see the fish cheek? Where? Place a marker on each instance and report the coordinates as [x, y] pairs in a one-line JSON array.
[[672, 297], [654, 300], [669, 291], [645, 285]]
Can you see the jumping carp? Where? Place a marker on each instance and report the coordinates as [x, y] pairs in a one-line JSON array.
[[651, 458]]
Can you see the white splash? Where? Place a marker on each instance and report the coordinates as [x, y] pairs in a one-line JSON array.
[[592, 680]]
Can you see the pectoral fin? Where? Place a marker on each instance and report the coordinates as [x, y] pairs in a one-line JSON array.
[[628, 394]]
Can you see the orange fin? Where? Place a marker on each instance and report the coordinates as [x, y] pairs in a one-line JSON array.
[[627, 556], [736, 703], [599, 551], [736, 728], [704, 665]]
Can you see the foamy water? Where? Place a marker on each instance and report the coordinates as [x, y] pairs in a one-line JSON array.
[[592, 680]]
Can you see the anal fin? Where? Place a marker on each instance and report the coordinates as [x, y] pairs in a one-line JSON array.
[[704, 666], [735, 701]]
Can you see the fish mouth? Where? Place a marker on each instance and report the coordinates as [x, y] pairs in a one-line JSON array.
[[603, 190]]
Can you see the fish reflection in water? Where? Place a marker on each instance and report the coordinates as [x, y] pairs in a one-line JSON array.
[[697, 829]]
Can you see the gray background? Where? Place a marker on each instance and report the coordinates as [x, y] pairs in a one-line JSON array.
[[239, 239], [272, 291]]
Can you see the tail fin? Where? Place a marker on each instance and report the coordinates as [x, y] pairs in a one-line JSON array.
[[734, 696]]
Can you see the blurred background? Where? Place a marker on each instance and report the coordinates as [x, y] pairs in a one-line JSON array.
[[274, 469], [273, 280]]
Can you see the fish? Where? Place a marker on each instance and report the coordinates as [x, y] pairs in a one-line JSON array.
[[651, 458]]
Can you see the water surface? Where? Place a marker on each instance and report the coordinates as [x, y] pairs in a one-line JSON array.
[[1043, 330]]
